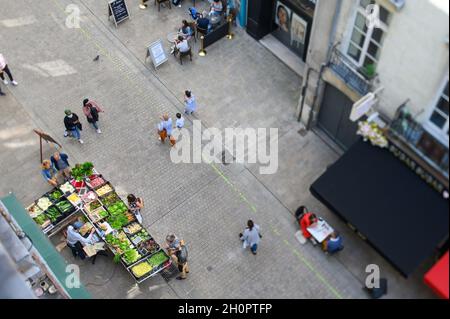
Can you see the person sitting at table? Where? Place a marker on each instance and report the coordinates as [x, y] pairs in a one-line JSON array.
[[186, 30], [308, 220], [216, 8], [181, 45], [203, 23], [76, 242], [333, 243]]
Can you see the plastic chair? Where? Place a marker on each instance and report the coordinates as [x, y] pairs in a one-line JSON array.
[[185, 54]]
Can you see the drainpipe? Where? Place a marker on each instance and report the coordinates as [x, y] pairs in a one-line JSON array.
[[331, 46]]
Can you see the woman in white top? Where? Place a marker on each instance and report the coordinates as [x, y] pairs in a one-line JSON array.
[[5, 69]]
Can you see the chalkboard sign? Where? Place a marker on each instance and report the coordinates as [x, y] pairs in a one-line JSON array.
[[118, 10], [157, 53]]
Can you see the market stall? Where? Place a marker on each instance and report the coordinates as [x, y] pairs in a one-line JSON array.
[[94, 198]]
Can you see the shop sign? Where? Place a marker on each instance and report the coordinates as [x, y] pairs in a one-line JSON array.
[[419, 170]]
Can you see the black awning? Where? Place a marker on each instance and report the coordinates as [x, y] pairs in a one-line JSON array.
[[401, 216]]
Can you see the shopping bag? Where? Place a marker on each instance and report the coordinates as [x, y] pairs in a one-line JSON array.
[[300, 238]]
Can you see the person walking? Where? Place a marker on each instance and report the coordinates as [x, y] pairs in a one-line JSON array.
[[189, 103], [178, 252], [91, 110], [165, 130], [251, 236], [73, 125], [4, 68], [60, 161], [48, 172], [180, 121], [1, 92], [136, 204]]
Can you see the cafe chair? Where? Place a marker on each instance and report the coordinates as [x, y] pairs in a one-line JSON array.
[[185, 54], [193, 26], [162, 1]]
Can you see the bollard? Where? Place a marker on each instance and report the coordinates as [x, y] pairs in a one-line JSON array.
[[202, 51], [143, 4], [230, 34]]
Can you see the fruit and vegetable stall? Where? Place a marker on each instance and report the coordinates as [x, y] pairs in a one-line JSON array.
[[92, 196]]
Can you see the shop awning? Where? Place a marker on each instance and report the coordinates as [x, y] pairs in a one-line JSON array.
[[401, 216], [437, 277]]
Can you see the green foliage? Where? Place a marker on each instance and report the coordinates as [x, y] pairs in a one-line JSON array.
[[82, 170]]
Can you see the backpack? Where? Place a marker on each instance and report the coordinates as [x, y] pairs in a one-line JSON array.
[[182, 255], [94, 113]]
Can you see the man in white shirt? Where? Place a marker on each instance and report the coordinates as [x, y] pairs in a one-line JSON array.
[[5, 69], [180, 121]]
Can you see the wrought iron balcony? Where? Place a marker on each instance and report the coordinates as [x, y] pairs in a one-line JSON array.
[[349, 72], [431, 150]]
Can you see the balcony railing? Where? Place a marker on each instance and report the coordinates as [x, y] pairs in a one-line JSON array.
[[347, 70], [422, 143]]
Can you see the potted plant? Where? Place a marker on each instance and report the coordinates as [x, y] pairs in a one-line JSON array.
[[369, 71]]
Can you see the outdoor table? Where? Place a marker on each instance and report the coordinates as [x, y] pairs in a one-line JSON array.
[[320, 230], [172, 36]]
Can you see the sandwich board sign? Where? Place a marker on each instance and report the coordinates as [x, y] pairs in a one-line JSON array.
[[363, 106], [118, 10], [157, 53]]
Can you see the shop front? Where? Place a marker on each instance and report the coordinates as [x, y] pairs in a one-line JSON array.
[[282, 24]]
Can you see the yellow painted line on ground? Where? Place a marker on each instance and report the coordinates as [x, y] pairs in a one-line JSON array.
[[253, 208]]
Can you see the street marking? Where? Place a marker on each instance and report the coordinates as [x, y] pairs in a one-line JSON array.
[[217, 170], [56, 68], [19, 22], [35, 69]]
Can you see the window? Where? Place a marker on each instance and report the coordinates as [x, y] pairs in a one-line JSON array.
[[438, 120], [365, 42]]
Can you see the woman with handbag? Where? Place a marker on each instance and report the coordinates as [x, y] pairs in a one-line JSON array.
[[73, 125], [91, 110]]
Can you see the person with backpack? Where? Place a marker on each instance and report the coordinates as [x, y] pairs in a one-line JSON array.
[[73, 125], [178, 251], [91, 110]]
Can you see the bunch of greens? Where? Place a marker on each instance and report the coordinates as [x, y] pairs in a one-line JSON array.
[[158, 259], [40, 219], [55, 195], [64, 206], [82, 170], [110, 199], [130, 256], [53, 213]]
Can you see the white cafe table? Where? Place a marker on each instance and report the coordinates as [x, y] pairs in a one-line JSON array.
[[320, 230]]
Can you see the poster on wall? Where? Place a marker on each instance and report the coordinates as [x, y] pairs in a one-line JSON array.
[[298, 31], [282, 17]]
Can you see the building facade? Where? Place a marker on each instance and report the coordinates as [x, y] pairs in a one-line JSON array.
[[397, 49]]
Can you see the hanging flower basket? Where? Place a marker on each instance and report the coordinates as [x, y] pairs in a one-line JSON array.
[[372, 132]]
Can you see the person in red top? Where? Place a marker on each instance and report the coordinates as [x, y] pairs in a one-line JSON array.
[[306, 221]]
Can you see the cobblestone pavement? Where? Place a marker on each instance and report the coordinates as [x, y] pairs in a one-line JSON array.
[[239, 84]]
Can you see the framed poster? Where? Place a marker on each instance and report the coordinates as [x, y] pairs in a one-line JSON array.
[[299, 28], [282, 17]]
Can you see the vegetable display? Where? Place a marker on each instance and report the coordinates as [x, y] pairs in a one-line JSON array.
[[74, 199], [141, 236], [148, 247], [96, 182], [89, 197], [117, 208], [119, 242], [44, 203], [64, 206], [110, 199], [34, 210], [41, 220], [132, 228], [141, 269], [82, 170], [93, 206], [104, 190], [67, 188], [131, 256], [53, 213], [158, 259], [55, 195]]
